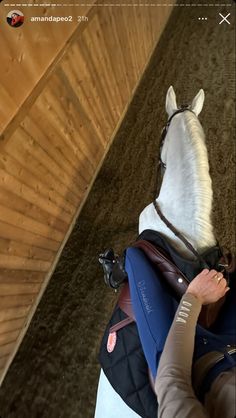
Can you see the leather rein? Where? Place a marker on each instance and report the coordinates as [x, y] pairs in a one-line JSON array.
[[180, 236]]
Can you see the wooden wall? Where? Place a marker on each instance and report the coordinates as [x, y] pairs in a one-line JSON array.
[[64, 90]]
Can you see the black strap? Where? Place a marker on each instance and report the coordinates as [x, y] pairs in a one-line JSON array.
[[183, 108]]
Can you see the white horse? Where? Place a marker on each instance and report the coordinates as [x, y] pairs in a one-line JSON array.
[[185, 199]]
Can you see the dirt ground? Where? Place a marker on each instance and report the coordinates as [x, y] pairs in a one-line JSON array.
[[55, 372]]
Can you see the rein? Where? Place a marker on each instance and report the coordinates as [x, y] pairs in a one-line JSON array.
[[180, 236], [227, 262], [160, 164], [169, 225]]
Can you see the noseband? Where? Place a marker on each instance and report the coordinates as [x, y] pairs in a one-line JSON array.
[[183, 108]]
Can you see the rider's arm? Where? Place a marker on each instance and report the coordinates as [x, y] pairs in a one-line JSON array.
[[173, 385], [175, 394]]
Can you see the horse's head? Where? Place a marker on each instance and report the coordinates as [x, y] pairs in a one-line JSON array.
[[185, 195], [174, 112]]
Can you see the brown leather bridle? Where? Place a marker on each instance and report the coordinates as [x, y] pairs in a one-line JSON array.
[[183, 108], [225, 262]]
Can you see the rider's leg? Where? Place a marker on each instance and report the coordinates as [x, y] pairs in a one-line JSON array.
[[153, 306]]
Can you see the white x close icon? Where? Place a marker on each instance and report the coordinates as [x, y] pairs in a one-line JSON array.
[[224, 19]]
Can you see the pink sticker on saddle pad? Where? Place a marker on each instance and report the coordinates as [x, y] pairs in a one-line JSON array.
[[111, 342]]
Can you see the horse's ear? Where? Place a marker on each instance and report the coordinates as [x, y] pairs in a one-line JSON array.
[[171, 105], [197, 103]]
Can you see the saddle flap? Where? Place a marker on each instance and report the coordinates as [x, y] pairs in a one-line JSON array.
[[173, 276], [125, 303]]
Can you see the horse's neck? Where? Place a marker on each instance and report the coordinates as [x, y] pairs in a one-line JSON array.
[[190, 215], [185, 200]]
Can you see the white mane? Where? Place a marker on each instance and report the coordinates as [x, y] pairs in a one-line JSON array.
[[185, 197]]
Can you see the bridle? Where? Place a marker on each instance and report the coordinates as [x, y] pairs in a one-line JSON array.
[[162, 165], [183, 108], [227, 262]]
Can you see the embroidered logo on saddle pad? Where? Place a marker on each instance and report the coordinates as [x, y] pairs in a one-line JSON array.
[[111, 342]]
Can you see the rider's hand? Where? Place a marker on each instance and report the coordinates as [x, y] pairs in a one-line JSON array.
[[208, 286]]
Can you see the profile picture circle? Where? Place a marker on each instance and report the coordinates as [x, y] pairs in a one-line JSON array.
[[15, 18]]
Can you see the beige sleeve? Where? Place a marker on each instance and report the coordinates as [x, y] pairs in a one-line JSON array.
[[173, 386]]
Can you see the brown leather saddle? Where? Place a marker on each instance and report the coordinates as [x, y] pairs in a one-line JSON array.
[[176, 280]]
